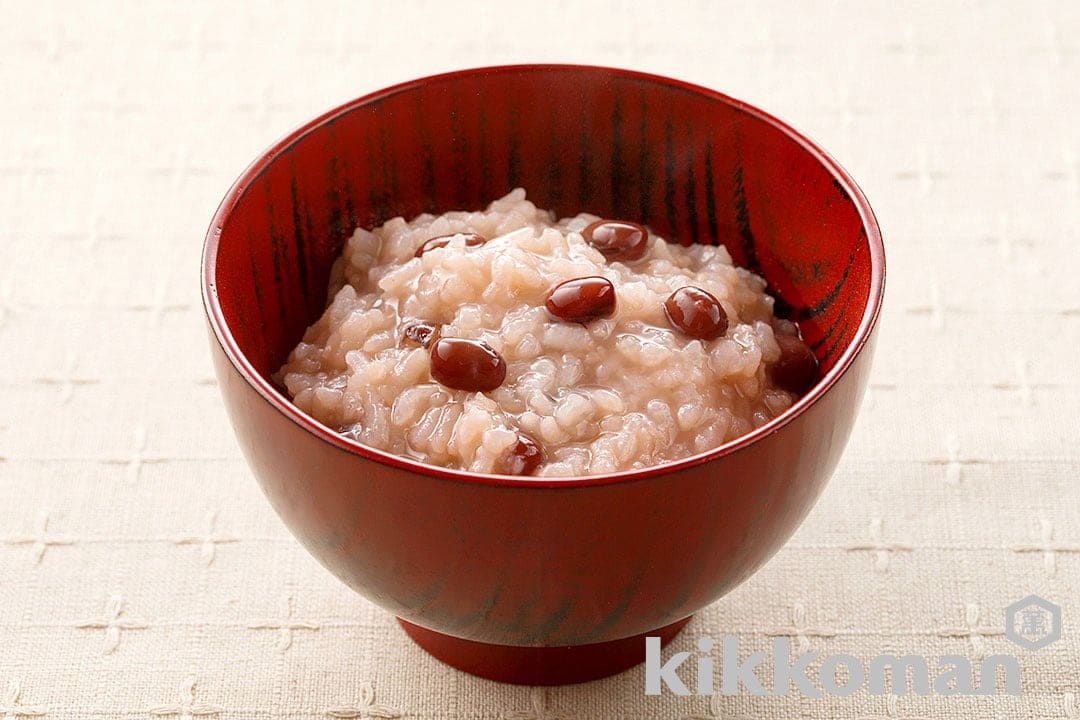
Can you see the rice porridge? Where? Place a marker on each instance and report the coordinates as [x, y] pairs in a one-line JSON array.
[[504, 341]]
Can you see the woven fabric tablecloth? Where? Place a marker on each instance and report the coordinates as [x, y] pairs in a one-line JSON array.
[[142, 574]]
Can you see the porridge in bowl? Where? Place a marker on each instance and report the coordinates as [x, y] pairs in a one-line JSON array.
[[504, 341]]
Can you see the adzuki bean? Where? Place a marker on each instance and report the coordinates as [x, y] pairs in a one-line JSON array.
[[617, 239], [696, 313], [470, 365], [420, 333], [797, 369], [523, 458], [582, 299], [471, 240]]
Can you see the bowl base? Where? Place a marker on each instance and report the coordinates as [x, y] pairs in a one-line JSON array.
[[539, 665]]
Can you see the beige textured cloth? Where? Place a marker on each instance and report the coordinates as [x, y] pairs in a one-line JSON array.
[[141, 572]]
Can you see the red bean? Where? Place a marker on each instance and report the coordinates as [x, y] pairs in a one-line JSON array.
[[470, 365], [617, 239], [471, 240], [522, 459], [697, 313], [420, 333], [582, 299], [797, 369]]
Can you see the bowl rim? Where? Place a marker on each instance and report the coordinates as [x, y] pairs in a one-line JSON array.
[[223, 336]]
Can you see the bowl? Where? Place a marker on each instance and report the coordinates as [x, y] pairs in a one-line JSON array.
[[543, 580]]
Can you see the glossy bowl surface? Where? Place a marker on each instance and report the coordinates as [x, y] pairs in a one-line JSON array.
[[492, 573]]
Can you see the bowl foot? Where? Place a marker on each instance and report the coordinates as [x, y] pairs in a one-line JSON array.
[[539, 665]]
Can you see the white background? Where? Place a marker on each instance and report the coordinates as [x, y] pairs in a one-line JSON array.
[[141, 569]]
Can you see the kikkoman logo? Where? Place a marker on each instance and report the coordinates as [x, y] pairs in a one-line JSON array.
[[1032, 623]]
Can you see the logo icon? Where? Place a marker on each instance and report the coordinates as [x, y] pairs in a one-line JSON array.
[[1033, 623]]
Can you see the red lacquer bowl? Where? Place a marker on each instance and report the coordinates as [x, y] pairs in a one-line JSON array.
[[542, 580]]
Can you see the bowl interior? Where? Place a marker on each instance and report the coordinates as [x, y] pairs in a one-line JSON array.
[[695, 166]]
